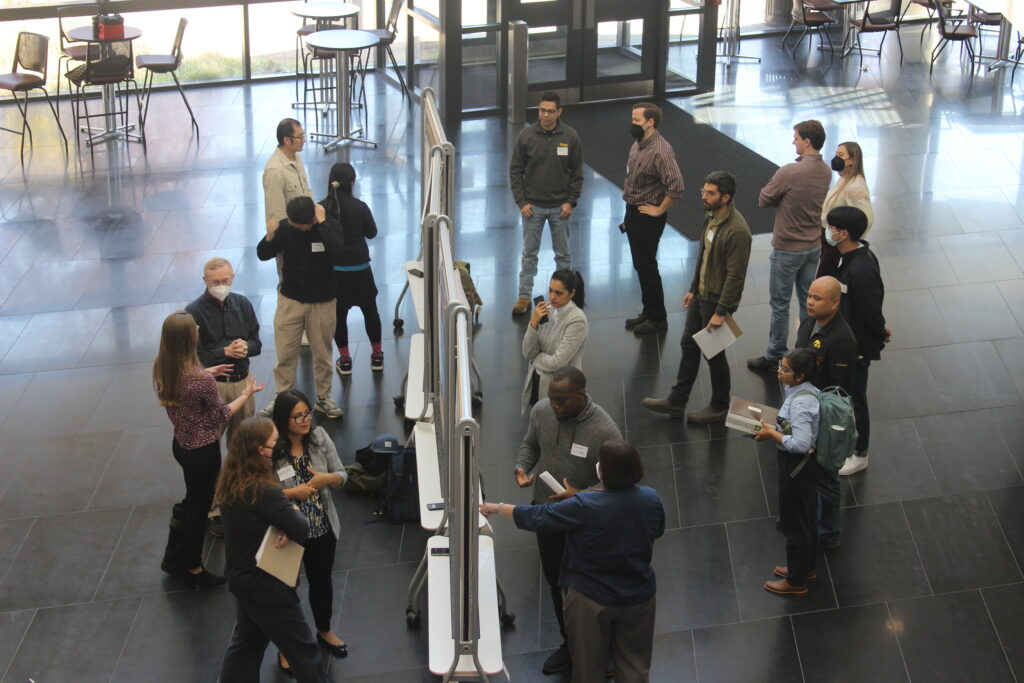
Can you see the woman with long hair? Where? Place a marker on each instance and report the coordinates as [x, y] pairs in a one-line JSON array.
[[352, 274], [250, 502], [308, 468], [850, 190], [189, 394], [556, 334], [606, 572]]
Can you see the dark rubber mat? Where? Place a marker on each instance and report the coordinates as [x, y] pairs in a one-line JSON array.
[[699, 148]]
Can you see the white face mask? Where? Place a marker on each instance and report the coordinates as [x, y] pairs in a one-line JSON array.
[[597, 468], [220, 292]]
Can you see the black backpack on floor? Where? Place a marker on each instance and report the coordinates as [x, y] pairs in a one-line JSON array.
[[402, 494]]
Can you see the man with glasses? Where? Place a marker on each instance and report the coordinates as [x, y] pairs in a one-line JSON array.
[[546, 174], [228, 334]]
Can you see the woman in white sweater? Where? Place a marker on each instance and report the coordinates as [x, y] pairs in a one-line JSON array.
[[850, 190], [556, 335]]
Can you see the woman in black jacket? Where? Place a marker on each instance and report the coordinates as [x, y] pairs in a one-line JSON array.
[[268, 609], [352, 274]]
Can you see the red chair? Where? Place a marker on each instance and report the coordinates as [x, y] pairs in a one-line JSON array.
[[813, 16], [29, 73], [880, 23], [952, 29]]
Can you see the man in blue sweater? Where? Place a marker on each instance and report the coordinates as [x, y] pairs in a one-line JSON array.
[[566, 430]]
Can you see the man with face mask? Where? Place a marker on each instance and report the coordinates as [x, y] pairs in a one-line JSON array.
[[566, 430], [653, 184], [228, 334]]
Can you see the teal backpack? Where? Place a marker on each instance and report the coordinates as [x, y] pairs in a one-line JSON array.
[[837, 430]]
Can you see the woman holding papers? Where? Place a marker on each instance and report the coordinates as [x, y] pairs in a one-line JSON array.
[[268, 609], [307, 466], [799, 471], [556, 335], [189, 394]]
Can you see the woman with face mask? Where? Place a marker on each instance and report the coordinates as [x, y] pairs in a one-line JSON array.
[[556, 334], [189, 394], [850, 190]]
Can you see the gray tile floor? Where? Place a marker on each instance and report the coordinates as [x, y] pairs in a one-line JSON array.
[[926, 586]]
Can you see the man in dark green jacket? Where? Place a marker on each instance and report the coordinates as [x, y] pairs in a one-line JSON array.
[[714, 293]]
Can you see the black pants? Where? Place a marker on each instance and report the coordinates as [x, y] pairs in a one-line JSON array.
[[860, 405], [697, 317], [318, 561], [798, 500], [255, 626], [200, 467], [644, 233], [551, 547]]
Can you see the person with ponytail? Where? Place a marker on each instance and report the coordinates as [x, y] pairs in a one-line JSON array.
[[250, 502], [556, 334], [189, 394], [352, 275]]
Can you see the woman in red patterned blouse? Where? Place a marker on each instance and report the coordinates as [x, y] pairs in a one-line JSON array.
[[189, 393]]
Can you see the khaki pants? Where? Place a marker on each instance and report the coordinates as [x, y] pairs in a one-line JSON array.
[[291, 319], [229, 391], [599, 634]]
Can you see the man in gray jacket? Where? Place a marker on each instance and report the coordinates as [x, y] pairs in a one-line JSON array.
[[546, 174], [566, 430]]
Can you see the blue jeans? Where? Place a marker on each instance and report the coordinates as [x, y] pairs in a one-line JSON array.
[[788, 268], [533, 226]]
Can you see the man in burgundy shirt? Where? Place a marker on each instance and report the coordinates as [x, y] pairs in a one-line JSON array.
[[796, 191], [653, 184]]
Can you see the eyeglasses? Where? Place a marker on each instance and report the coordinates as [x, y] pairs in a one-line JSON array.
[[296, 137], [542, 110], [226, 282], [302, 417]]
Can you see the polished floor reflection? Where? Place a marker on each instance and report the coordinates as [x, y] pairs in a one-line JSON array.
[[926, 586]]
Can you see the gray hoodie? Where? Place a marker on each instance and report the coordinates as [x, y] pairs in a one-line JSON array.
[[549, 445]]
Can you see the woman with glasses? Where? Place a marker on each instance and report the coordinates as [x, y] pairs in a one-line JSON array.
[[268, 609], [307, 466], [189, 394]]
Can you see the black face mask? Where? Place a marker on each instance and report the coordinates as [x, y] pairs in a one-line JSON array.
[[838, 164], [636, 131]]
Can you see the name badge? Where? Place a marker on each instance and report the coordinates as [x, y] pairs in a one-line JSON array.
[[317, 246], [578, 450], [286, 472], [562, 151], [711, 237], [842, 288]]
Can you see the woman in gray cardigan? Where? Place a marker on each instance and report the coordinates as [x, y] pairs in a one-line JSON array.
[[308, 468], [556, 335]]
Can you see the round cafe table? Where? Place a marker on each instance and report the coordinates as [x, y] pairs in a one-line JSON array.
[[342, 41], [110, 128], [325, 12]]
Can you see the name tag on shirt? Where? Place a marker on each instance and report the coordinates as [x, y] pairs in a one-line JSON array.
[[842, 288], [317, 246], [578, 450], [711, 237], [286, 472], [562, 150]]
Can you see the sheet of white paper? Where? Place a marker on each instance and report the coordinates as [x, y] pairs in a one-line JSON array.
[[713, 343]]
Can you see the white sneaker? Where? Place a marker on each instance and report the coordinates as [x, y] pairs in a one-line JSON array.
[[328, 407], [853, 464]]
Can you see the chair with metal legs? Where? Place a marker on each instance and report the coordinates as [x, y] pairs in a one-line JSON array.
[[953, 29], [70, 49], [880, 23], [110, 68], [29, 73], [388, 36], [929, 7], [163, 64], [812, 15]]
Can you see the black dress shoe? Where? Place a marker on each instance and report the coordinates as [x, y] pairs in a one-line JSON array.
[[336, 650], [559, 661], [204, 579], [650, 327], [633, 322]]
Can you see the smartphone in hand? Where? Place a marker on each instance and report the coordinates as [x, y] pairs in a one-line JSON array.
[[539, 299]]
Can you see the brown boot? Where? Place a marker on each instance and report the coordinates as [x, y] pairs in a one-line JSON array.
[[522, 305]]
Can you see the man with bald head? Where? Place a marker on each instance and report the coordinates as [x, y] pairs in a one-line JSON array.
[[826, 333]]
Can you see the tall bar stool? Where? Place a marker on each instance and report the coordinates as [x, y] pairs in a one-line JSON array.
[[163, 64], [929, 7], [70, 49], [29, 73], [111, 66], [880, 23], [388, 36], [953, 29]]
